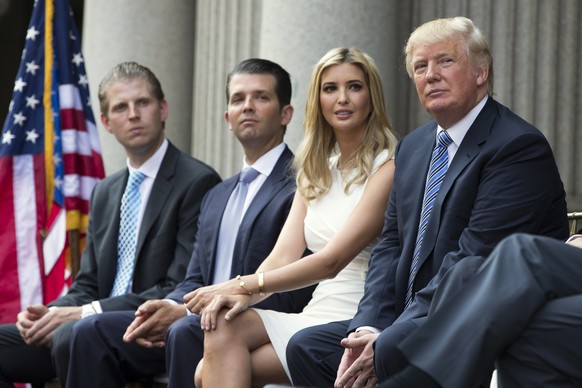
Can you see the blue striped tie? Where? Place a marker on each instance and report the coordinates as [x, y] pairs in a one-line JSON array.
[[439, 164], [127, 240]]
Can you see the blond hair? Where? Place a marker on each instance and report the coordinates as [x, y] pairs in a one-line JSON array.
[[458, 28], [312, 159]]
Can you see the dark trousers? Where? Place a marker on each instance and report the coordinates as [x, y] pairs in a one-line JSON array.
[[314, 353], [521, 306], [98, 340], [184, 350], [100, 358], [548, 352], [33, 364]]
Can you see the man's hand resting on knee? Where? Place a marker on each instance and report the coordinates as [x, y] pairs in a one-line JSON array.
[[356, 368], [151, 322]]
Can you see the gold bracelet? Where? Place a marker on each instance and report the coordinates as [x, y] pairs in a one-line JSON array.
[[261, 283], [242, 284]]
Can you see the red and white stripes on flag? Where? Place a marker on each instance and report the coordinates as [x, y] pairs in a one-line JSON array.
[[21, 283], [50, 160]]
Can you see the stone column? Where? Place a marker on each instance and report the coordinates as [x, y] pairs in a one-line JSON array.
[[226, 33], [156, 34]]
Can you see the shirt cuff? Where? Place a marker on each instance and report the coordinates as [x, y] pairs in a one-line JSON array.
[[97, 307], [369, 328], [87, 310], [172, 301]]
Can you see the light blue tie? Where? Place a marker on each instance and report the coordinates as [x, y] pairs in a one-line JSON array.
[[127, 240], [230, 224], [439, 164]]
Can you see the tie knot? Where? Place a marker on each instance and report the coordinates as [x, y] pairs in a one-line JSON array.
[[248, 175], [444, 139], [135, 178]]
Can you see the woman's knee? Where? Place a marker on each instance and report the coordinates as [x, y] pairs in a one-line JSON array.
[[226, 333], [198, 374]]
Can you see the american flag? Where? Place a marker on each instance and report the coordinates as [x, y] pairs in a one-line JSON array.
[[50, 160]]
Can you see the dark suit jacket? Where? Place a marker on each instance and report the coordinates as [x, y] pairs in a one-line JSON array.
[[165, 240], [503, 179], [256, 238]]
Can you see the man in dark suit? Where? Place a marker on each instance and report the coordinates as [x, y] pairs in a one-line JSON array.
[[173, 185], [501, 178], [258, 110], [519, 307]]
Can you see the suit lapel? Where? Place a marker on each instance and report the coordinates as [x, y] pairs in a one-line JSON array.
[[115, 192], [161, 189], [468, 150], [272, 185]]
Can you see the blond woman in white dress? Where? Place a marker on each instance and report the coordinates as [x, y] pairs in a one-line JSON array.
[[344, 174]]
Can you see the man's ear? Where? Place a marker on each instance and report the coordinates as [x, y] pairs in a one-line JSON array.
[[227, 119], [482, 75], [105, 122], [164, 110], [286, 114]]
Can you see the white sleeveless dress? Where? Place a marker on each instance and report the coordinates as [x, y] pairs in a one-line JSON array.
[[333, 299]]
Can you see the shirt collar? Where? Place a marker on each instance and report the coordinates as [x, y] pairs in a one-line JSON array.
[[151, 166], [458, 131], [266, 163]]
